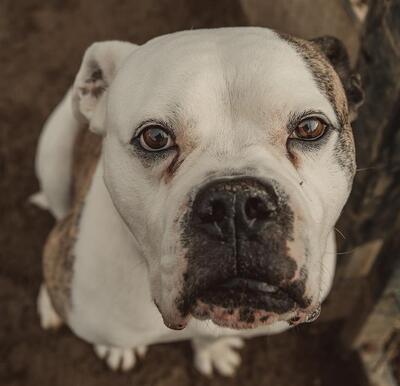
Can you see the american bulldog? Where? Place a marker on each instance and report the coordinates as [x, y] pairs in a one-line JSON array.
[[196, 181]]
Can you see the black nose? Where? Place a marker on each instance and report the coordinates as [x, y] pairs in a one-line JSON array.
[[243, 205]]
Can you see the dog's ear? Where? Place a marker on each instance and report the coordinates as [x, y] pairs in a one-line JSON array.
[[99, 66], [335, 51]]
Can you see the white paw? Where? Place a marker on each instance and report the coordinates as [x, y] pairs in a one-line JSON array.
[[49, 319], [120, 358], [217, 354]]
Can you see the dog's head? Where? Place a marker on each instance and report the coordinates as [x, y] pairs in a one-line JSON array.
[[229, 154]]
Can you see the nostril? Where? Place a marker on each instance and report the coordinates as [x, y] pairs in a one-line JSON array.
[[257, 209], [215, 212]]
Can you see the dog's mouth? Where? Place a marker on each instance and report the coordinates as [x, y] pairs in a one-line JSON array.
[[247, 303]]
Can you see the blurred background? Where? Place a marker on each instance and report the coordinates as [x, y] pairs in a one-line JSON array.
[[355, 341]]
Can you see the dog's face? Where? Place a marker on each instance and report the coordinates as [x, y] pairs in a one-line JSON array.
[[229, 154]]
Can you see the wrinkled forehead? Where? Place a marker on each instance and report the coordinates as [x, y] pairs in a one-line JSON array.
[[252, 74]]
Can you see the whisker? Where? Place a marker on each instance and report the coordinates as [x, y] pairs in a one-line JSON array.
[[346, 252], [365, 169], [378, 167], [342, 253], [340, 233]]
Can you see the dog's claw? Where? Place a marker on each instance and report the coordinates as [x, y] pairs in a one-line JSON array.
[[120, 358], [218, 354], [141, 351]]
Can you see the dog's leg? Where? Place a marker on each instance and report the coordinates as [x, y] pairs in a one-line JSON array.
[[49, 318], [120, 358], [217, 353]]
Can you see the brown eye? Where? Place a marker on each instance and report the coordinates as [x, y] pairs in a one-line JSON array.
[[155, 138], [309, 129]]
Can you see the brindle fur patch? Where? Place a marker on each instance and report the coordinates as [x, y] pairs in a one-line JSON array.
[[331, 85], [58, 256], [324, 74]]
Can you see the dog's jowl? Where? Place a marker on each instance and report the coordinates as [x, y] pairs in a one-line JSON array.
[[196, 181]]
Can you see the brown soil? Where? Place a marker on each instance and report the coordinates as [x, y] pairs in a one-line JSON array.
[[41, 47]]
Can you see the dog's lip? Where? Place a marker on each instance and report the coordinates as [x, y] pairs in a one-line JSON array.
[[238, 296], [238, 318], [238, 287], [231, 317], [252, 284]]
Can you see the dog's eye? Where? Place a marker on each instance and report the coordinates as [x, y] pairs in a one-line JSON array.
[[309, 129], [155, 138]]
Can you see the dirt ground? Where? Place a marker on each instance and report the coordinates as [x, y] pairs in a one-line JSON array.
[[41, 47]]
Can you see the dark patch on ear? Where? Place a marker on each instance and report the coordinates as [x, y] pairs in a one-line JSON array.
[[97, 74], [95, 84], [337, 55]]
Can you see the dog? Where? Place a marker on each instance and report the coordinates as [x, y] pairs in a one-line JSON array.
[[196, 181]]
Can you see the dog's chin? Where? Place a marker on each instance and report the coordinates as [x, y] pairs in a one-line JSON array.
[[244, 304], [236, 318]]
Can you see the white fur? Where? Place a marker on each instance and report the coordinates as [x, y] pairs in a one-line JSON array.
[[54, 157], [229, 91]]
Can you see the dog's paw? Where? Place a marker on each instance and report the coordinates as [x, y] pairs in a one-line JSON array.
[[218, 354], [120, 358], [49, 318]]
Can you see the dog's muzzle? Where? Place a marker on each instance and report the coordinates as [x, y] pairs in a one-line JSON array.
[[239, 271]]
